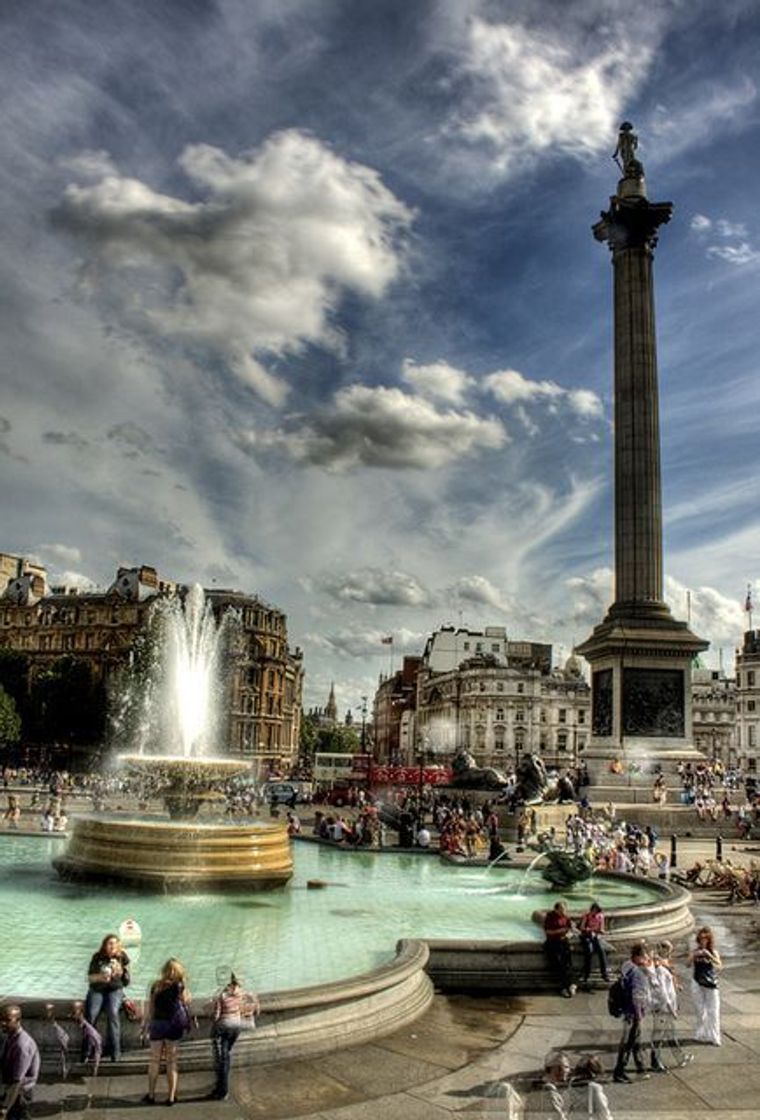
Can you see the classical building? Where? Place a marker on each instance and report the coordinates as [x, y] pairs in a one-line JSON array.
[[748, 702], [495, 698], [714, 711], [101, 629]]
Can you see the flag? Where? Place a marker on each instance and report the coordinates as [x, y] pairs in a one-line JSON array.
[[747, 601], [387, 641]]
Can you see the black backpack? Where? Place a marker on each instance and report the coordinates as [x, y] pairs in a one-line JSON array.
[[616, 998]]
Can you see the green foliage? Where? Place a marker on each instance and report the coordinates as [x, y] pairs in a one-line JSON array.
[[68, 706], [338, 740], [333, 740], [309, 736], [10, 720]]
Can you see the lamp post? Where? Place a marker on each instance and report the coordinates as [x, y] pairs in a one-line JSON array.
[[364, 725], [422, 751]]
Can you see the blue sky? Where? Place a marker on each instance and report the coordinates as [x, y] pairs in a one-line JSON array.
[[300, 297]]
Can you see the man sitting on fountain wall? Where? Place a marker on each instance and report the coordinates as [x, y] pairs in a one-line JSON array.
[[557, 929]]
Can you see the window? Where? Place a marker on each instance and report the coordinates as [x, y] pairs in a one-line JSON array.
[[500, 714], [519, 716], [494, 647], [562, 741], [563, 715], [500, 686], [478, 647], [520, 688], [466, 645], [750, 705], [751, 679], [751, 736], [482, 686], [582, 715]]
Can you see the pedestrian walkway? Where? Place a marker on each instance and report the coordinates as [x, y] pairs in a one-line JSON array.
[[454, 1062]]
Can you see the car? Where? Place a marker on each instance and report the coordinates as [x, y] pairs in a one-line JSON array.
[[280, 793]]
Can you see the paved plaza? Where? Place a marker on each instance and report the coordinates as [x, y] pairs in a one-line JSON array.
[[456, 1059]]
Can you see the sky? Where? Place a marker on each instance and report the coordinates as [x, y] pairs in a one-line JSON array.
[[300, 297]]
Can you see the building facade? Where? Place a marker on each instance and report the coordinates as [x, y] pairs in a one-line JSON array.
[[748, 702], [493, 697], [102, 629], [714, 715]]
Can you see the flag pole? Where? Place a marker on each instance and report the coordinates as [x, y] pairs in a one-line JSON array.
[[748, 605]]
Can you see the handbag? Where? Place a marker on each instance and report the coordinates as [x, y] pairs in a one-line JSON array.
[[132, 1011]]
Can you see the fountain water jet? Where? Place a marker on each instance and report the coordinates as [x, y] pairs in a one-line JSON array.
[[181, 728]]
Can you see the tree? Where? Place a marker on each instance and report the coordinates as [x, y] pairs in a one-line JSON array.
[[68, 705], [10, 720], [14, 679], [338, 740], [309, 737]]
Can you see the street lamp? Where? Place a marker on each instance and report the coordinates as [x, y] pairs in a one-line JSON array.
[[364, 725]]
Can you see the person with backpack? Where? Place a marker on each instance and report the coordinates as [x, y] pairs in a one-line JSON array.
[[635, 986]]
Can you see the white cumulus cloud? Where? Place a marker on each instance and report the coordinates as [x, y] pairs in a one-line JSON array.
[[535, 89], [258, 266], [438, 379], [380, 427]]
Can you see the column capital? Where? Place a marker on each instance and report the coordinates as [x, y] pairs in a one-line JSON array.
[[632, 223]]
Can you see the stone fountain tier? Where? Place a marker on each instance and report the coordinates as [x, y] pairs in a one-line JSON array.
[[177, 856], [184, 784]]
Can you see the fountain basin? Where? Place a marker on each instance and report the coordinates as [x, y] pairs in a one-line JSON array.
[[176, 856]]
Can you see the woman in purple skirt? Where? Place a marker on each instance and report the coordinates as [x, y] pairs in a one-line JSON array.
[[168, 1020]]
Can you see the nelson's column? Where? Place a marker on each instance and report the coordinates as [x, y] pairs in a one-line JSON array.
[[640, 655]]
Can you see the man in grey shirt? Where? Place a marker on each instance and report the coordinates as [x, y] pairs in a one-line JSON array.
[[19, 1065]]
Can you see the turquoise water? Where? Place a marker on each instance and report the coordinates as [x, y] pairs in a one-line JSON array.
[[283, 939]]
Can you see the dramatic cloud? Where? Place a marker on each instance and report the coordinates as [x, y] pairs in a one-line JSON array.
[[258, 267], [375, 586], [66, 439], [380, 427], [533, 90], [714, 616], [478, 589], [438, 379], [134, 439], [58, 554], [513, 388], [356, 643]]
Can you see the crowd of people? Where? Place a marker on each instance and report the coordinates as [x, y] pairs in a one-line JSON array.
[[649, 982]]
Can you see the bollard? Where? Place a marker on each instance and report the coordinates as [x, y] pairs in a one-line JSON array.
[[673, 851], [719, 848]]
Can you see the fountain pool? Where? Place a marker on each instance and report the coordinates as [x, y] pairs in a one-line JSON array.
[[278, 940]]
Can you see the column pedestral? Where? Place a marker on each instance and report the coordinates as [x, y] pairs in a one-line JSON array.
[[641, 701]]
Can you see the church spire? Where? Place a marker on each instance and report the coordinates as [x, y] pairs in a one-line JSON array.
[[331, 711]]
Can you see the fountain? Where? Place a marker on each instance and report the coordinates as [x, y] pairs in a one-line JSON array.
[[178, 714]]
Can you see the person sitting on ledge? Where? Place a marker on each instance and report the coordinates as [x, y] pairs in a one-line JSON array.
[[557, 929]]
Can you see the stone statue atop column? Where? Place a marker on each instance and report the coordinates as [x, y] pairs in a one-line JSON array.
[[625, 152]]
